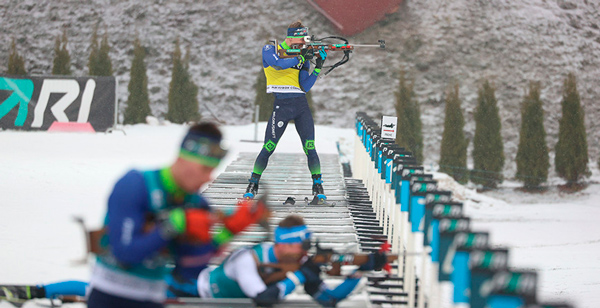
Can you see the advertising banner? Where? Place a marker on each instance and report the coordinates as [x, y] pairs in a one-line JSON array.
[[35, 102]]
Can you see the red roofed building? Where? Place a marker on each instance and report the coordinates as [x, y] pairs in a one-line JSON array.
[[354, 16]]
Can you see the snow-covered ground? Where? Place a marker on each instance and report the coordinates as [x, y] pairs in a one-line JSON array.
[[47, 178]]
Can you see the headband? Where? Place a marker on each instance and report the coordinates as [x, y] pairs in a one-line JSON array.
[[203, 149], [297, 32], [291, 235]]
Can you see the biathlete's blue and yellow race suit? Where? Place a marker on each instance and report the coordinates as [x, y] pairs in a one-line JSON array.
[[134, 266], [152, 222], [288, 79]]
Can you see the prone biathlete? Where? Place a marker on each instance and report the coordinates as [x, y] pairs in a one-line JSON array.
[[289, 79], [238, 275]]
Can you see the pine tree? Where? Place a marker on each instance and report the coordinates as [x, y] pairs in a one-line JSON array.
[[488, 150], [104, 63], [16, 63], [94, 50], [183, 100], [453, 156], [571, 150], [532, 155], [99, 63], [138, 103], [62, 59], [409, 134]]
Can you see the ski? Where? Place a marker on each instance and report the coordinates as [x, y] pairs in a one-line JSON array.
[[307, 201], [316, 200]]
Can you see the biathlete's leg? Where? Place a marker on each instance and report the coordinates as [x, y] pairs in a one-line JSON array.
[[72, 287], [305, 127], [99, 299], [275, 128], [20, 293]]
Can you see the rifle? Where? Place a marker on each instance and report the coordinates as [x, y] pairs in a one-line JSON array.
[[313, 45], [275, 272]]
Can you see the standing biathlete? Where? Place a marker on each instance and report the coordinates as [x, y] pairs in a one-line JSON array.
[[289, 79]]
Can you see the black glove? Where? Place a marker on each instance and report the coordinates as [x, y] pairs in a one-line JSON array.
[[376, 262], [311, 272], [307, 54], [320, 59]]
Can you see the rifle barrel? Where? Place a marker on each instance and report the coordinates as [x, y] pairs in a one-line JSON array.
[[367, 45]]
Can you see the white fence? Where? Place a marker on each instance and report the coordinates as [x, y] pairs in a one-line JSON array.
[[432, 235]]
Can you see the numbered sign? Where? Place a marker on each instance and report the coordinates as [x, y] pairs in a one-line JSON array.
[[388, 127]]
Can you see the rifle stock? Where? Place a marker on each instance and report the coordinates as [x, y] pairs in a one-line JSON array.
[[312, 48]]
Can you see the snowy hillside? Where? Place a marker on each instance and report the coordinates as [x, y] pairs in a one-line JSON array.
[[436, 41]]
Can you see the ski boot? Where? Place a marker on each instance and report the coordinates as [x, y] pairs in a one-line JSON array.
[[18, 295], [289, 201], [317, 191], [252, 188]]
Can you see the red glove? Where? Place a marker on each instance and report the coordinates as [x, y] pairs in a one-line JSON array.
[[198, 223], [385, 247], [248, 212]]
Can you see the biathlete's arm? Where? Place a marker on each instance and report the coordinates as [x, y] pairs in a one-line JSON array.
[[270, 58], [243, 269], [306, 79], [330, 297], [127, 207]]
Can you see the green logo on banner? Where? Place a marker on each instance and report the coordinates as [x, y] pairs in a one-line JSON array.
[[22, 89]]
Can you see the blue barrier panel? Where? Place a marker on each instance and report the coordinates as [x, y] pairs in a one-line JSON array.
[[399, 164], [483, 264], [399, 157], [461, 274], [379, 154], [460, 277], [389, 163], [511, 289], [438, 196], [447, 209], [383, 146], [406, 173], [416, 209], [447, 229], [504, 301]]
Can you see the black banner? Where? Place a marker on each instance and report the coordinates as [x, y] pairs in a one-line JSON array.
[[35, 102]]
